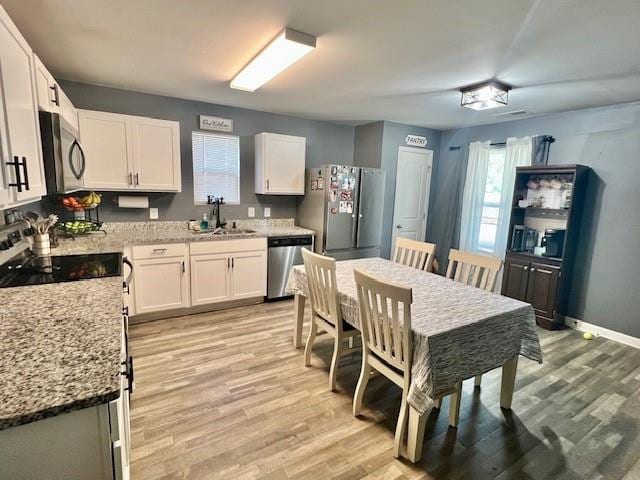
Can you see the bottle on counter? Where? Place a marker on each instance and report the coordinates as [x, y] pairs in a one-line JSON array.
[[204, 223]]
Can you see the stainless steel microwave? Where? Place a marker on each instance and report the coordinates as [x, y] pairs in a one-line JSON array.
[[63, 155]]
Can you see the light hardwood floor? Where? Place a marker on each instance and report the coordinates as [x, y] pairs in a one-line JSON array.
[[225, 395]]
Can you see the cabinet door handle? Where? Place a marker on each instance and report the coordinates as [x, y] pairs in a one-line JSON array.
[[159, 250], [137, 179], [228, 263], [183, 267], [267, 184], [26, 173], [130, 178], [56, 95], [16, 167], [232, 263]]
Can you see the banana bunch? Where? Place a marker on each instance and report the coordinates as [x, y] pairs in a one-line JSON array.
[[92, 200]]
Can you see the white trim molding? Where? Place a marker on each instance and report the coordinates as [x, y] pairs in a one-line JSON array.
[[581, 326]]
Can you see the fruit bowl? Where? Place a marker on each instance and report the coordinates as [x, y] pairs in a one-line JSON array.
[[75, 204], [79, 227]]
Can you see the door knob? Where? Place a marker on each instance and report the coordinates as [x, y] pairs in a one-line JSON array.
[[398, 227]]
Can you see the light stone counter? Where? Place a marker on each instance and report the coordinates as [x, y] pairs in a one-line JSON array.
[[121, 234]]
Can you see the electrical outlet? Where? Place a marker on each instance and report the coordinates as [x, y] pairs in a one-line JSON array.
[[251, 212], [267, 212], [153, 213]]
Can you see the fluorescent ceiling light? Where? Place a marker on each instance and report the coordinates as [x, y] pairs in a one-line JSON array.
[[287, 48], [485, 95]]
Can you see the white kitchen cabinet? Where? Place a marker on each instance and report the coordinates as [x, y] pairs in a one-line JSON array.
[[19, 124], [107, 142], [126, 152], [68, 111], [161, 277], [247, 279], [279, 164], [46, 87], [51, 98], [156, 153], [210, 278], [228, 270]]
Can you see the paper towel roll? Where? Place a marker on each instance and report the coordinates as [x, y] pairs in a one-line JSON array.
[[130, 201]]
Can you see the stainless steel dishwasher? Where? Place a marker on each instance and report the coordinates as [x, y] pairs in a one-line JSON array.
[[283, 254]]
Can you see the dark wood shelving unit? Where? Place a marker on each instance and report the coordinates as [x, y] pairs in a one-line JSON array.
[[545, 282]]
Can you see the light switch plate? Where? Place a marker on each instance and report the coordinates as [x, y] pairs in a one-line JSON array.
[[153, 213], [267, 212], [251, 212]]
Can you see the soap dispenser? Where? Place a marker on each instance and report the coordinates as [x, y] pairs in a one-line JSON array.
[[204, 223]]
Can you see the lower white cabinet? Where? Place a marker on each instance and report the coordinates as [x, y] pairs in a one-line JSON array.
[[210, 278], [161, 277], [228, 270]]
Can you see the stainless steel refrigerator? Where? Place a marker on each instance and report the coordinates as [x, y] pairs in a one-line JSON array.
[[344, 205]]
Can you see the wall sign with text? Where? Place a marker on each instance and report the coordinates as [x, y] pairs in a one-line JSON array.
[[216, 123], [416, 140]]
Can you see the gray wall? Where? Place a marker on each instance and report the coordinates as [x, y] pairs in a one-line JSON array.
[[376, 146], [607, 277], [326, 143], [367, 150]]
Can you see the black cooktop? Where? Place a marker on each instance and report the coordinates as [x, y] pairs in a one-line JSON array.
[[65, 268]]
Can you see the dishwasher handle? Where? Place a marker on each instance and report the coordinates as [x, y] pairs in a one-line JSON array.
[[296, 241]]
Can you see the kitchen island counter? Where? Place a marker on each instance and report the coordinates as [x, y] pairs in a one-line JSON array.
[[60, 348]]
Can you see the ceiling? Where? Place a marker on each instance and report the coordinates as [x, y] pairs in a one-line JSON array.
[[398, 60]]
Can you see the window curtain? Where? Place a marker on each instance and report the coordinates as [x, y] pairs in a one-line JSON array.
[[518, 154], [473, 198]]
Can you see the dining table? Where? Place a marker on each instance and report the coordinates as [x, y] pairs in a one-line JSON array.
[[459, 332]]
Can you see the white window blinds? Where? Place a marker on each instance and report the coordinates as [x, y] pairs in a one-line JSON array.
[[216, 167]]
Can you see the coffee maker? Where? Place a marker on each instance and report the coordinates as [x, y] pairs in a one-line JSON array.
[[553, 241]]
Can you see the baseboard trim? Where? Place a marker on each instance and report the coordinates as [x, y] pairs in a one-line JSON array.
[[581, 326]]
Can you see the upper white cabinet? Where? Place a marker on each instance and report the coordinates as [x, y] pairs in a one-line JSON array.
[[279, 164], [126, 152], [51, 98], [47, 88], [19, 127]]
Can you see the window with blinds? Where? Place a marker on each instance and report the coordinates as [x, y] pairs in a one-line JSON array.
[[216, 167]]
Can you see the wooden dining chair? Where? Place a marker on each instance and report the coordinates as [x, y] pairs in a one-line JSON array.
[[387, 341], [326, 314], [480, 271], [414, 254]]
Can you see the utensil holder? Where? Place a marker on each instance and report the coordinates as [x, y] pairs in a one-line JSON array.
[[41, 244]]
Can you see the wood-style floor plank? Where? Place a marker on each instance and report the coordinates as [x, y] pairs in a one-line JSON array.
[[224, 395]]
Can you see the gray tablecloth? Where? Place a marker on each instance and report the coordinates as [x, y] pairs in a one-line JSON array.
[[458, 331]]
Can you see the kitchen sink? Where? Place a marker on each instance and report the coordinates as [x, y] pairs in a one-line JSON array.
[[227, 231]]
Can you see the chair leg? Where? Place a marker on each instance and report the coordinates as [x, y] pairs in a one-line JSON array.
[[312, 336], [333, 372], [477, 381], [401, 426], [454, 406], [365, 374]]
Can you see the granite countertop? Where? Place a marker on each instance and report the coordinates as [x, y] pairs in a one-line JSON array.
[[122, 234], [60, 348]]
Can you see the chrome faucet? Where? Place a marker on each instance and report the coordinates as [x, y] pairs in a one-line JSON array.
[[216, 202]]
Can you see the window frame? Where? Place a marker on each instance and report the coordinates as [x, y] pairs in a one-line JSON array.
[[220, 135]]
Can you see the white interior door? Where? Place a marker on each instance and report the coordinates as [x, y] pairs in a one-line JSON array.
[[413, 181]]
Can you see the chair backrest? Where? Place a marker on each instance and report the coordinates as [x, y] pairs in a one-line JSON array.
[[385, 319], [323, 291], [414, 254], [472, 269]]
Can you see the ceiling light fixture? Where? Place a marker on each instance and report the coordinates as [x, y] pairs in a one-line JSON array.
[[485, 95], [287, 48]]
